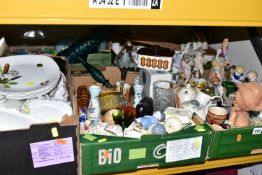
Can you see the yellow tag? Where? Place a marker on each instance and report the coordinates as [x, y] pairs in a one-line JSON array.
[[89, 137], [54, 132], [102, 140], [199, 128], [30, 83]]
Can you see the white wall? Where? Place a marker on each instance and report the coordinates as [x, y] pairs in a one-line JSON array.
[[243, 53]]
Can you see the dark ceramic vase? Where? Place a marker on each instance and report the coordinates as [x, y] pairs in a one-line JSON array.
[[145, 107]]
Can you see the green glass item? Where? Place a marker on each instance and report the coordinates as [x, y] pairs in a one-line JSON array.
[[95, 73], [118, 118], [83, 48], [230, 86], [79, 51]]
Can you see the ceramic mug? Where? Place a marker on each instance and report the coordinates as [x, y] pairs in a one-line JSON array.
[[216, 115]]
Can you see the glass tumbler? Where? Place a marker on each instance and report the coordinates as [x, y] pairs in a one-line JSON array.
[[164, 94]]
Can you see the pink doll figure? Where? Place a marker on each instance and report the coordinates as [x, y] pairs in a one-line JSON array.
[[248, 98], [186, 68], [220, 61]]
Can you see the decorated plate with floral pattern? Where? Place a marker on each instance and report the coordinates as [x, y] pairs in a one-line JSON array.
[[27, 73]]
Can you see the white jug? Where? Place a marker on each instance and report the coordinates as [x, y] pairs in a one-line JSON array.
[[200, 104], [205, 99]]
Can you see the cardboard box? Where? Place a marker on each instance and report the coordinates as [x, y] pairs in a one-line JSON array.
[[110, 73], [118, 154], [235, 142], [107, 154], [16, 152]]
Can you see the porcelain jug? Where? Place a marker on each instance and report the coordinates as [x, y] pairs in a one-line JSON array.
[[205, 99], [200, 104]]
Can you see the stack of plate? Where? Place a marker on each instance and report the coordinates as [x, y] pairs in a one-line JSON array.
[[47, 110], [27, 76], [13, 119]]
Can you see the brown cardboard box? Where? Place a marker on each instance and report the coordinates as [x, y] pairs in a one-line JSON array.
[[110, 73], [15, 152]]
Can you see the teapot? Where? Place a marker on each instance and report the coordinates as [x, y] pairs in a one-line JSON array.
[[200, 104]]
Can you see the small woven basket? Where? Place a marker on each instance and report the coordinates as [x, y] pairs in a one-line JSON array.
[[109, 100]]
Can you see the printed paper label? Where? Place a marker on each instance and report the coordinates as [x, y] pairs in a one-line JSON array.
[[126, 4], [52, 152], [257, 131], [183, 149]]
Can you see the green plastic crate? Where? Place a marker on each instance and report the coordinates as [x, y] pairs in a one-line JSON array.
[[128, 154], [235, 142]]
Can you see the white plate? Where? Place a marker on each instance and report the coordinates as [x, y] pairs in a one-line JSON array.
[[21, 96], [48, 110], [11, 119], [36, 71]]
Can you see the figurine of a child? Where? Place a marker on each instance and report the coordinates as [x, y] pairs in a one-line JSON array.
[[220, 62], [186, 67], [199, 61]]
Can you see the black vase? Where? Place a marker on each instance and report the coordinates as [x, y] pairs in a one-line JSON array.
[[145, 107]]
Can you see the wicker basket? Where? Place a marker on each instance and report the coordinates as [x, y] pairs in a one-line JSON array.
[[109, 100]]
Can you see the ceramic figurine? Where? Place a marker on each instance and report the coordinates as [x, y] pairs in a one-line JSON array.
[[186, 68], [94, 110], [248, 98], [138, 93], [122, 100], [219, 63], [238, 75], [197, 80], [124, 59], [158, 129], [160, 116], [146, 121], [199, 61], [251, 76], [82, 119]]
